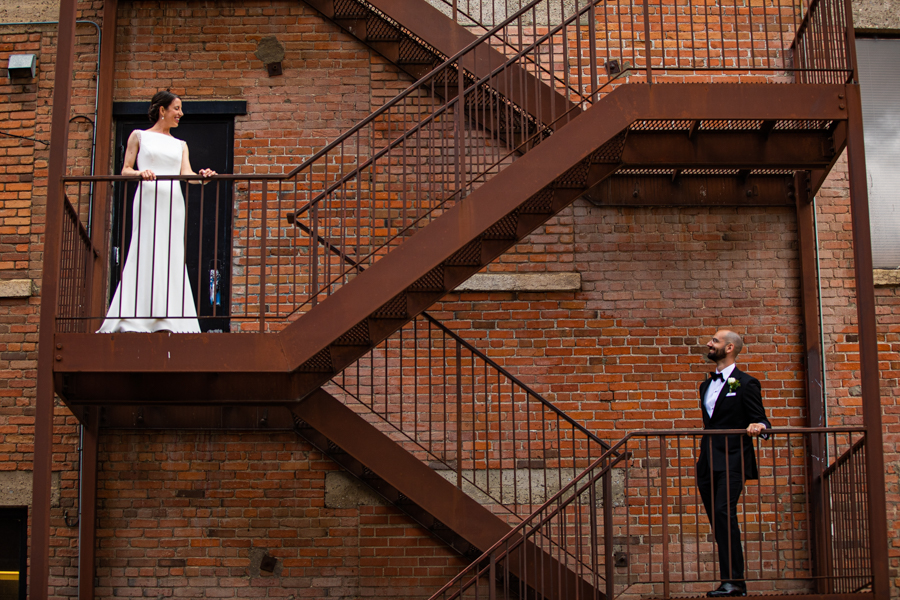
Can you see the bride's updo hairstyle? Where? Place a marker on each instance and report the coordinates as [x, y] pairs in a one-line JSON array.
[[161, 99]]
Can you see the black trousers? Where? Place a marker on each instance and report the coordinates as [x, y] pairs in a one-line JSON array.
[[720, 499]]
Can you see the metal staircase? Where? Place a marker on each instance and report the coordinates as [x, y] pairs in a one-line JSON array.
[[335, 260]]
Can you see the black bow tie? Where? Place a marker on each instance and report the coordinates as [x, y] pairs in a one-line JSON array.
[[714, 376]]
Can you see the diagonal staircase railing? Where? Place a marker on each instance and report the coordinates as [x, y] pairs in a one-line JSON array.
[[633, 521], [461, 412], [443, 137]]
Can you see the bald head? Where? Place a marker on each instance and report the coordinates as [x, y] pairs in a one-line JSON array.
[[731, 337], [724, 347]]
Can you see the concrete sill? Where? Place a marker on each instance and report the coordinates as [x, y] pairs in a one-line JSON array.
[[17, 288]]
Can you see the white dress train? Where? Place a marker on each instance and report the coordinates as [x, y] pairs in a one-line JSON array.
[[154, 293]]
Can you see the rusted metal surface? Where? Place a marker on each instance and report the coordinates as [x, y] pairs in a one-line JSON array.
[[216, 418], [403, 471], [87, 520], [461, 410], [715, 190], [815, 393], [821, 56], [433, 31], [43, 420], [657, 518], [102, 193], [868, 340], [412, 265], [737, 149], [848, 547], [536, 567]]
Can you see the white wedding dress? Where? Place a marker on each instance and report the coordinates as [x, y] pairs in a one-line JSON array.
[[154, 293]]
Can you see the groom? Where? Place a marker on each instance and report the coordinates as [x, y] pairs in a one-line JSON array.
[[729, 399]]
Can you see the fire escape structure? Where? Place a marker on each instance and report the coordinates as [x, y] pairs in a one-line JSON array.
[[342, 257]]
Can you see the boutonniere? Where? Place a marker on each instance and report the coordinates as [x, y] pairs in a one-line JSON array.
[[733, 384]]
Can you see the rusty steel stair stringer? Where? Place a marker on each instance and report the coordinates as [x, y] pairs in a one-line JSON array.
[[429, 499]]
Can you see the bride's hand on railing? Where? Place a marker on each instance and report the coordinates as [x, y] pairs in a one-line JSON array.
[[207, 173]]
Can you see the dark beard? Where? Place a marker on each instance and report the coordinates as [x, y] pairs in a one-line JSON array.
[[716, 355]]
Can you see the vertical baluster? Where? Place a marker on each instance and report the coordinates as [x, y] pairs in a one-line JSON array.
[[263, 248], [664, 508], [459, 448]]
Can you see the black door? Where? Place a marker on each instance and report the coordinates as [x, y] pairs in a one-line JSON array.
[[210, 139]]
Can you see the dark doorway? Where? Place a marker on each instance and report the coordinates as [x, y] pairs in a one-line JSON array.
[[13, 553], [208, 129]]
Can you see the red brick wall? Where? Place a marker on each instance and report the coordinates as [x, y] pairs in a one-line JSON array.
[[623, 353], [628, 351], [183, 514]]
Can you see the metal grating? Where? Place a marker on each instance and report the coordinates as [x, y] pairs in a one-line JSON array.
[[542, 202], [574, 177], [611, 151], [377, 29], [709, 171], [645, 172], [662, 125], [803, 124], [470, 254], [432, 281], [358, 336], [349, 9], [772, 172], [299, 424], [731, 125], [395, 309], [504, 229], [413, 53], [320, 363]]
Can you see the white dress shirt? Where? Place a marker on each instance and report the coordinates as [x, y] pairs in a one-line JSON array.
[[715, 387]]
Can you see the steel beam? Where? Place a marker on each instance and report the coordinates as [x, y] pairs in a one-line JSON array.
[[662, 190], [87, 504], [728, 149], [815, 394], [200, 388], [170, 417], [540, 569], [102, 198], [868, 344], [169, 353], [43, 419]]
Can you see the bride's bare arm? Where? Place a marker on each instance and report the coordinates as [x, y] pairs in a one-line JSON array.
[[131, 152], [186, 165]]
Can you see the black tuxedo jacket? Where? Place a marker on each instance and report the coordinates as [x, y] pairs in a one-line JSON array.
[[733, 410]]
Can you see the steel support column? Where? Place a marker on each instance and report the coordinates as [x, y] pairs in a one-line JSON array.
[[815, 397], [868, 344], [87, 521], [102, 163], [43, 419]]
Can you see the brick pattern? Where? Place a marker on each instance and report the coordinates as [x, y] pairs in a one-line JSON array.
[[190, 515], [184, 515]]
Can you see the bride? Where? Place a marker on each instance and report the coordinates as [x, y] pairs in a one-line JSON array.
[[154, 293]]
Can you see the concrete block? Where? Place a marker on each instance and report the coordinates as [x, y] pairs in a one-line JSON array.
[[17, 288], [343, 490], [20, 11], [16, 488], [876, 14], [886, 277], [524, 486], [522, 282]]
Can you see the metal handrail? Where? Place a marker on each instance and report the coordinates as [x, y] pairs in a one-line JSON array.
[[584, 484]]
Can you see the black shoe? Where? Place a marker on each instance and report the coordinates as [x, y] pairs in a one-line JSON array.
[[728, 589]]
